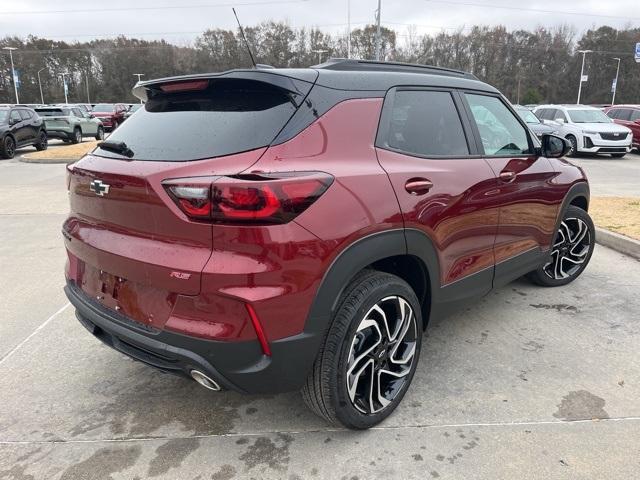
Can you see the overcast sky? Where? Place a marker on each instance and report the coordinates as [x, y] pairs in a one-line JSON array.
[[181, 21]]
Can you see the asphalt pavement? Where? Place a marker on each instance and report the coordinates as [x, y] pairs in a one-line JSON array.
[[529, 383]]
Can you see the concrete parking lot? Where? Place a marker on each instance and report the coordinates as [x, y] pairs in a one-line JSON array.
[[528, 383]]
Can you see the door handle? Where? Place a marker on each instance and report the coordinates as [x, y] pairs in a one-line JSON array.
[[507, 176], [418, 186]]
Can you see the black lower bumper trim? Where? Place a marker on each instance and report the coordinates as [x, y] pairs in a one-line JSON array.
[[239, 366]]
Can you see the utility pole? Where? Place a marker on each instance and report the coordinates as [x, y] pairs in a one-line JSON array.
[[13, 72], [319, 52], [615, 85], [349, 28], [584, 54], [138, 75], [86, 81], [518, 94], [64, 86], [40, 85], [378, 15]]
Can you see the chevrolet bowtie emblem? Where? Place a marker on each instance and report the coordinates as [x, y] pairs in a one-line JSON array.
[[99, 188]]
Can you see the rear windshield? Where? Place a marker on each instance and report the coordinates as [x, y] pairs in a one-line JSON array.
[[53, 112], [228, 116], [104, 107]]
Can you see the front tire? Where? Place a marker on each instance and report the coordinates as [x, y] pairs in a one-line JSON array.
[[571, 251], [574, 146], [370, 354]]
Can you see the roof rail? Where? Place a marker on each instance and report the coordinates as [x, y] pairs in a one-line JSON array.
[[351, 65]]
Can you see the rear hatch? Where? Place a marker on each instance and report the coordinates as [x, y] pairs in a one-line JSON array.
[[130, 246], [54, 118]]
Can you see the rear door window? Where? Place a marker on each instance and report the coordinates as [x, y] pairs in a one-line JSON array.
[[624, 114], [224, 117], [425, 123], [500, 131]]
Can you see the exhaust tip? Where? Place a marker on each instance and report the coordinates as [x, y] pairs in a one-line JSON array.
[[205, 381]]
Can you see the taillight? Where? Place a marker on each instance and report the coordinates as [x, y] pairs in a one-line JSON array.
[[248, 199]]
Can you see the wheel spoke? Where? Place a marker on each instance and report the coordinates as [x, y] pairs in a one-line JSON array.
[[356, 379]]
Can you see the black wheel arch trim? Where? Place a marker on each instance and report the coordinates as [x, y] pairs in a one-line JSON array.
[[577, 190]]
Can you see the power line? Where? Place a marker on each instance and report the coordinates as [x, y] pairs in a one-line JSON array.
[[158, 7], [538, 10]]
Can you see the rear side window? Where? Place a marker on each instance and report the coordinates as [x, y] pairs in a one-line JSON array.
[[624, 114], [501, 133], [227, 116], [425, 123], [25, 114]]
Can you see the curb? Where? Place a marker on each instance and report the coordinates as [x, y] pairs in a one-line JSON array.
[[617, 242], [47, 160]]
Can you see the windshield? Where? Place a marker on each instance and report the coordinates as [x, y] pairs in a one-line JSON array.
[[588, 116], [53, 112], [104, 107], [527, 115], [4, 114], [227, 116]]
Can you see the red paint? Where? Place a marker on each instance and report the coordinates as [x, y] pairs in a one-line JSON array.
[[634, 126]]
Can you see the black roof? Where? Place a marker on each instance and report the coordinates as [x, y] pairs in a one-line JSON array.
[[347, 74]]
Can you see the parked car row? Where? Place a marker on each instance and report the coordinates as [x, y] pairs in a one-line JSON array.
[[34, 124], [613, 130]]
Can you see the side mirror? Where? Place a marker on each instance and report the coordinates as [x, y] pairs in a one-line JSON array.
[[554, 146], [91, 115], [559, 120], [13, 121], [637, 121]]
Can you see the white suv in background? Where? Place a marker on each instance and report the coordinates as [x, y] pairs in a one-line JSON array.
[[588, 129]]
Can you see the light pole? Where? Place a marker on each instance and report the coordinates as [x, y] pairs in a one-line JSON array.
[[615, 87], [139, 75], [64, 86], [86, 82], [319, 52], [378, 41], [13, 71], [40, 86], [584, 54], [349, 28]]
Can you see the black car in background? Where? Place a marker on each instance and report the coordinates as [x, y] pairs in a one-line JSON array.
[[20, 127], [535, 124]]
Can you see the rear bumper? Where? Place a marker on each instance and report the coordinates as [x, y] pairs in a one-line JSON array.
[[239, 366], [65, 134]]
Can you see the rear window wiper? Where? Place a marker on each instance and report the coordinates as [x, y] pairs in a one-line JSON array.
[[117, 147]]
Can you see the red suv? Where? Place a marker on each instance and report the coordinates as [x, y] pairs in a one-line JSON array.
[[110, 114], [629, 116], [280, 229]]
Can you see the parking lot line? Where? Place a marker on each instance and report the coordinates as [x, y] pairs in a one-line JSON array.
[[44, 324]]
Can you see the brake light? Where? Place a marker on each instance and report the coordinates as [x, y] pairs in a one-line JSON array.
[[252, 199], [186, 86]]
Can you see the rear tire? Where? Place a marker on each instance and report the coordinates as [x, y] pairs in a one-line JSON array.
[[618, 155], [42, 142], [8, 147], [77, 136], [100, 133], [359, 355], [572, 248]]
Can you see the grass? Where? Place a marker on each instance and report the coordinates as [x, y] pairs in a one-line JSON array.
[[69, 153], [618, 214]]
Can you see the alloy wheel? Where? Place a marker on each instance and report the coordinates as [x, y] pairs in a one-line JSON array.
[[10, 147], [570, 249], [381, 354]]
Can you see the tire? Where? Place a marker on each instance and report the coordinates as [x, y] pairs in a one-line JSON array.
[[115, 125], [100, 133], [77, 136], [43, 142], [618, 155], [358, 341], [574, 243], [8, 147], [574, 146]]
